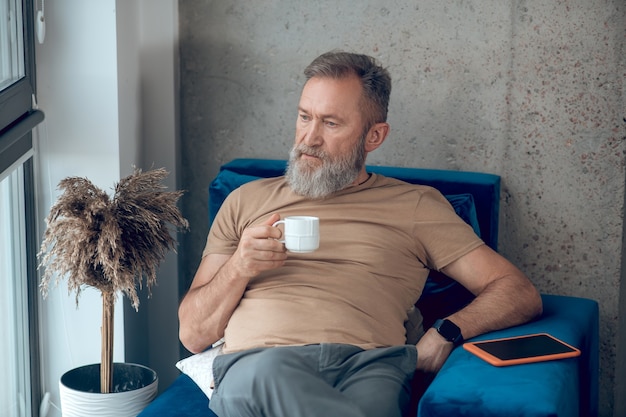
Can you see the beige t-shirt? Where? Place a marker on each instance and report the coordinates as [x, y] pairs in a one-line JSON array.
[[377, 243]]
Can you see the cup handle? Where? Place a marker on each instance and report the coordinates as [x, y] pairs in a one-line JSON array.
[[275, 225]]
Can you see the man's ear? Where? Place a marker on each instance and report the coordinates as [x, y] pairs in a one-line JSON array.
[[376, 136]]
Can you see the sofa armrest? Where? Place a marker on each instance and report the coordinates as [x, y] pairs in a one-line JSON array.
[[468, 386]]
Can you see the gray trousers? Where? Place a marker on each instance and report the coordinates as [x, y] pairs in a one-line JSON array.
[[323, 380]]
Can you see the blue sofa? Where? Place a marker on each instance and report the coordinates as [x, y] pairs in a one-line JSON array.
[[466, 385]]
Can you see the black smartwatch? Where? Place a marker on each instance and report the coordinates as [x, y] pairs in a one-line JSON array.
[[449, 331]]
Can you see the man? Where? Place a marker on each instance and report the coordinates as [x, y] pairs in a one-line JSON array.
[[322, 333]]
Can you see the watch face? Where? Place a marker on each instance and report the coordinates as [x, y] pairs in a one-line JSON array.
[[449, 330]]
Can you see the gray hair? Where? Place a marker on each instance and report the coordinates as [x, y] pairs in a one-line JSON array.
[[374, 78]]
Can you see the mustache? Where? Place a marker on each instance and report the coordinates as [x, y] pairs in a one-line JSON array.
[[299, 150]]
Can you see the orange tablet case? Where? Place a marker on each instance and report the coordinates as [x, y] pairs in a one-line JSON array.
[[521, 349]]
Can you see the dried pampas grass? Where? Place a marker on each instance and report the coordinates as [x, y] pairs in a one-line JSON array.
[[110, 243]]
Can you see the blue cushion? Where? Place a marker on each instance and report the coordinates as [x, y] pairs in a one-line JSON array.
[[183, 398], [468, 386]]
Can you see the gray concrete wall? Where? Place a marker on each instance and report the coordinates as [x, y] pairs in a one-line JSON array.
[[528, 89]]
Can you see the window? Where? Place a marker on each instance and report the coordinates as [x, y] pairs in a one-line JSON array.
[[16, 61], [20, 391], [11, 44], [14, 314]]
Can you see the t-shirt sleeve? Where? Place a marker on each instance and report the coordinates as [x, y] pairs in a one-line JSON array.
[[243, 207], [225, 233], [441, 235]]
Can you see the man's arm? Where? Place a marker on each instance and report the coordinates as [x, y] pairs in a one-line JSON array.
[[221, 281], [505, 297]]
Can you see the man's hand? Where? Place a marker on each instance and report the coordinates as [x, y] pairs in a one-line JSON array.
[[432, 352], [259, 250]]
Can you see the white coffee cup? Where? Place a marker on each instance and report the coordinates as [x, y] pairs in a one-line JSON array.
[[302, 233]]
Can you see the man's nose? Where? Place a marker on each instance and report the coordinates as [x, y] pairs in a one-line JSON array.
[[313, 134]]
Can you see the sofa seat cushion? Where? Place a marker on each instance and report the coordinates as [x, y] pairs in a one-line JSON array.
[[183, 398], [468, 386]]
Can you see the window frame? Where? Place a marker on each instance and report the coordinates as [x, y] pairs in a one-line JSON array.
[[32, 247], [17, 119]]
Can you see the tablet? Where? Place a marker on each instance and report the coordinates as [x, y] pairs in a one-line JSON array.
[[521, 349]]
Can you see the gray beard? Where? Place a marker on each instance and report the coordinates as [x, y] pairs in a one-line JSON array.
[[327, 179]]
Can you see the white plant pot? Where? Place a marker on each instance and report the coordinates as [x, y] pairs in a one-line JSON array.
[[134, 386]]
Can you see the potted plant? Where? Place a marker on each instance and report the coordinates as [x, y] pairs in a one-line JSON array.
[[110, 244]]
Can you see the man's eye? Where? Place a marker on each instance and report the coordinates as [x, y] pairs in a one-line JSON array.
[[304, 118], [330, 124]]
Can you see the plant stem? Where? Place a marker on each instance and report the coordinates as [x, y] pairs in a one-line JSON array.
[[106, 364]]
